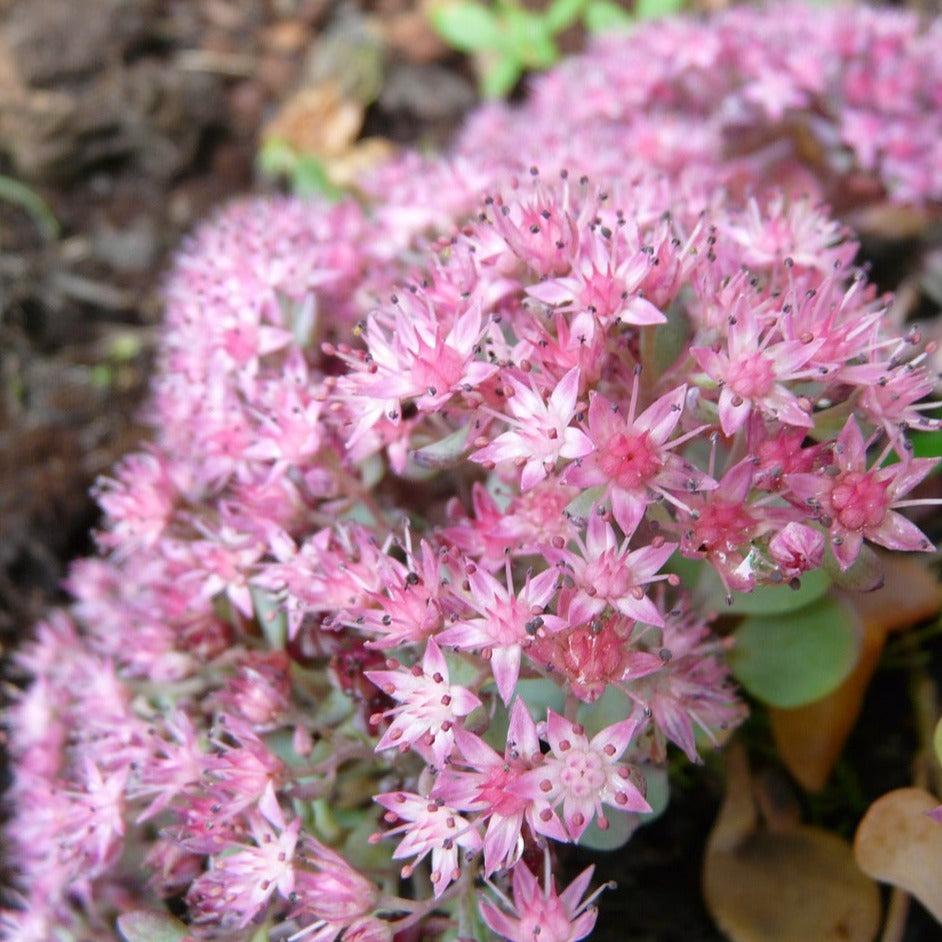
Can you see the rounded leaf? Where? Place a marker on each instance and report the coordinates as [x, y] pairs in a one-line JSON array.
[[147, 926], [795, 658]]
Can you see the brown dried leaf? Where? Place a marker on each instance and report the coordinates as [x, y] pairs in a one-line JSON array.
[[897, 844], [810, 738], [317, 120], [790, 884]]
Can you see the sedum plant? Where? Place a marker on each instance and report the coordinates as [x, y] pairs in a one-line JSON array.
[[414, 583]]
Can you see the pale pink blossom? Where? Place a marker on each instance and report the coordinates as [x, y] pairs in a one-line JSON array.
[[582, 774], [856, 502], [541, 433], [539, 913]]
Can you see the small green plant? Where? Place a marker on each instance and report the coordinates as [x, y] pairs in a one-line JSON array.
[[507, 39], [305, 173]]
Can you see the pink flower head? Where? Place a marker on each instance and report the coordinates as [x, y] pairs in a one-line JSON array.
[[856, 503], [605, 572], [592, 655], [411, 355], [753, 368], [480, 780], [721, 525], [506, 624], [328, 891], [429, 706], [541, 434], [605, 282], [796, 549], [632, 455], [582, 775], [538, 913], [428, 826], [244, 878]]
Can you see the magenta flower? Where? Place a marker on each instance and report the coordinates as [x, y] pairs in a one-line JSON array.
[[538, 913], [582, 775], [856, 502]]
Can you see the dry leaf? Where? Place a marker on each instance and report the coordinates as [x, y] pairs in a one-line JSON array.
[[793, 883], [317, 120], [810, 738], [898, 844]]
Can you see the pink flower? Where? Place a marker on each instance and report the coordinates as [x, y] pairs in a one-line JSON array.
[[582, 775], [632, 456], [328, 891], [856, 503], [413, 354], [606, 573], [243, 879], [592, 655], [752, 370], [506, 623], [486, 786], [721, 525], [541, 434], [796, 549], [430, 706], [605, 282], [692, 691], [428, 826], [538, 913]]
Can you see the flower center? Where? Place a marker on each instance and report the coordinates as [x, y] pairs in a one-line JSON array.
[[582, 774], [753, 377], [629, 460], [859, 500], [721, 526]]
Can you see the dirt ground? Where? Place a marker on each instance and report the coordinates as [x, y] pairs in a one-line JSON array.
[[130, 120]]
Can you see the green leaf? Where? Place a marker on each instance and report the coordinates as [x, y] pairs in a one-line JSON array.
[[309, 178], [499, 75], [271, 618], [663, 344], [792, 659], [765, 599], [864, 574], [937, 741], [561, 14], [603, 16], [927, 445], [467, 26], [529, 39], [146, 926], [445, 453], [652, 9], [612, 707]]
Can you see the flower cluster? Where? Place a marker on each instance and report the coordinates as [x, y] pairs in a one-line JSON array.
[[393, 593]]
